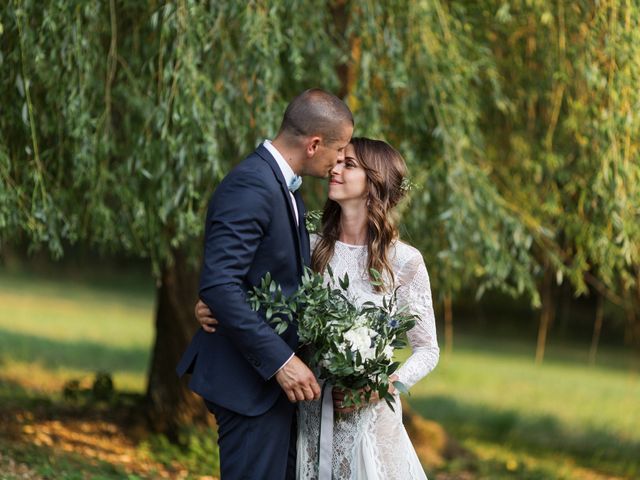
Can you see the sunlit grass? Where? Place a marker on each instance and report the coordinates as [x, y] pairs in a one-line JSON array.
[[561, 420], [53, 330], [46, 380], [77, 310], [564, 413]]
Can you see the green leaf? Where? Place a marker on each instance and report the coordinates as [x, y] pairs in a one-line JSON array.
[[401, 387], [344, 282]]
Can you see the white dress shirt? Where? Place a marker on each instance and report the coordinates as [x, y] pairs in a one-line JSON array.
[[286, 170], [288, 174]]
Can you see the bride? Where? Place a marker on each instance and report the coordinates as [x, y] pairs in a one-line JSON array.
[[358, 234]]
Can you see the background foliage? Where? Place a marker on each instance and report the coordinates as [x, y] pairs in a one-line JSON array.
[[519, 120]]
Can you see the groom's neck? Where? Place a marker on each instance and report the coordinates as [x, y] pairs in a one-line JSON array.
[[290, 151]]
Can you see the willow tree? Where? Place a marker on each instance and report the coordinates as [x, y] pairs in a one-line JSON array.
[[119, 118], [430, 76], [564, 149], [518, 121]]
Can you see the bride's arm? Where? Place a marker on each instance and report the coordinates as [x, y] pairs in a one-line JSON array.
[[415, 291]]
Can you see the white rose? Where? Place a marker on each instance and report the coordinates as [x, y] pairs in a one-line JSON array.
[[360, 340]]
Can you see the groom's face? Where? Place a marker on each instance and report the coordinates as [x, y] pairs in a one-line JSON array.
[[328, 154]]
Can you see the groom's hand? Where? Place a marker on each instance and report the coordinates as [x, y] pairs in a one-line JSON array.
[[205, 317], [297, 381]]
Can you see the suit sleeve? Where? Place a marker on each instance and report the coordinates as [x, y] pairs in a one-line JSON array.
[[238, 217]]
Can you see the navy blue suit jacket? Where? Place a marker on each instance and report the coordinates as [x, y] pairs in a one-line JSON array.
[[250, 230]]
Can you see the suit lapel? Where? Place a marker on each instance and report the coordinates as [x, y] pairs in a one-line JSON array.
[[303, 234], [266, 156]]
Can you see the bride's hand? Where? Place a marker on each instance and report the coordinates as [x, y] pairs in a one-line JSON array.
[[375, 397], [205, 317], [392, 378], [338, 402], [339, 395]]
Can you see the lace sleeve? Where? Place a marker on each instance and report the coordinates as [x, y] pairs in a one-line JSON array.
[[415, 291]]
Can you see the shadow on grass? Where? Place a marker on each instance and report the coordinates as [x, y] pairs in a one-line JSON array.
[[52, 354], [12, 389], [14, 396], [45, 462], [608, 358], [199, 457], [537, 435], [130, 287], [77, 441], [19, 459]]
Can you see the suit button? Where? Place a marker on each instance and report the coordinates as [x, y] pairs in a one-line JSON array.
[[255, 362]]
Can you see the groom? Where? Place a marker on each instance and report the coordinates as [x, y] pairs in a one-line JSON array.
[[249, 376]]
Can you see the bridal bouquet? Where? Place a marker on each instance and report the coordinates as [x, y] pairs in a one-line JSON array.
[[351, 345]]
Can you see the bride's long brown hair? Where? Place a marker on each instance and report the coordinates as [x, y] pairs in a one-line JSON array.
[[385, 169]]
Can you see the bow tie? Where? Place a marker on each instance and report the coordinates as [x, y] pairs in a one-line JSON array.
[[295, 183]]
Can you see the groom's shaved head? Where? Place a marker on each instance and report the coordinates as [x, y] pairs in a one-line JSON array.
[[316, 112]]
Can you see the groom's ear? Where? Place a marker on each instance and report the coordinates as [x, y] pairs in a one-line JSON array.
[[313, 145]]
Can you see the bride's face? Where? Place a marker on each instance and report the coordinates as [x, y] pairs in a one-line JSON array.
[[348, 181]]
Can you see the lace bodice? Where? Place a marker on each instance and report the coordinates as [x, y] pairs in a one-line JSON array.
[[415, 291], [372, 443]]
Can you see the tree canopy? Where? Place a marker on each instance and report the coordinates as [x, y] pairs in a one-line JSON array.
[[519, 120]]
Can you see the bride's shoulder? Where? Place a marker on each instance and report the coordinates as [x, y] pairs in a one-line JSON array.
[[407, 253], [408, 262]]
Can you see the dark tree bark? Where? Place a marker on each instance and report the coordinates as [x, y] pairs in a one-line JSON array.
[[546, 315], [597, 329], [171, 403], [344, 70], [632, 326]]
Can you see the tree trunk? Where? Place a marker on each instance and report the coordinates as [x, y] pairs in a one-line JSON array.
[[345, 70], [633, 320], [635, 329], [546, 315], [171, 403], [448, 325], [632, 326], [629, 326], [597, 328], [631, 308]]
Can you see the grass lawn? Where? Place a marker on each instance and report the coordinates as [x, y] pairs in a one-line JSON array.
[[563, 420], [52, 331]]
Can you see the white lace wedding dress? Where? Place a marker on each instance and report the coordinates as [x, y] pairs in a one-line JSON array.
[[371, 443]]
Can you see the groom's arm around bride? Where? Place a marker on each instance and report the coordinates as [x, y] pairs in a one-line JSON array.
[[247, 374], [245, 237], [242, 369]]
